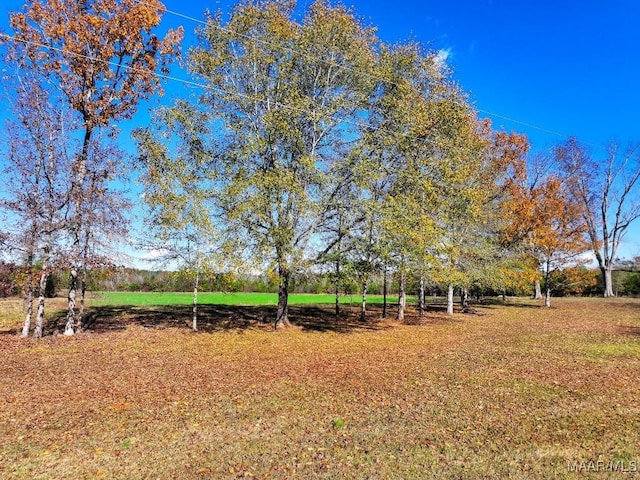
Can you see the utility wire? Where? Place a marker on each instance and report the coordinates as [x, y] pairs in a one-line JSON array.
[[173, 78], [377, 77], [251, 98]]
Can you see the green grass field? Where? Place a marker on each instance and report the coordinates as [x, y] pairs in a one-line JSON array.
[[218, 298]]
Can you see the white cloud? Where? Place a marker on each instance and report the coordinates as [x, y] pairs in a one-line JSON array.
[[441, 58], [155, 254]]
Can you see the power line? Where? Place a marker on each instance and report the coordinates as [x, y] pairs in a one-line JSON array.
[[164, 76], [377, 77], [497, 115], [252, 98]]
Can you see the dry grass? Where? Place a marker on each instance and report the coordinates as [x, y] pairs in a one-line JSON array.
[[513, 392]]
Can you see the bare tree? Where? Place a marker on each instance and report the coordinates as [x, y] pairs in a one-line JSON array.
[[609, 191], [37, 194]]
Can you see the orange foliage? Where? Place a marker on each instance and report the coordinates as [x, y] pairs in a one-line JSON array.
[[101, 54], [545, 219]]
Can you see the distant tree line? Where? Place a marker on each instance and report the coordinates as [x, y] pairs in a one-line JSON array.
[[571, 281]]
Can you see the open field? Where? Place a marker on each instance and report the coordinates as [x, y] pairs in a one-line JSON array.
[[515, 391], [220, 298]]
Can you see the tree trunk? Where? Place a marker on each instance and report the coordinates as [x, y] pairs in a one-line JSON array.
[[337, 288], [547, 297], [547, 285], [363, 305], [71, 298], [537, 294], [194, 321], [29, 304], [282, 315], [464, 300], [384, 293], [83, 293], [29, 291], [450, 300], [77, 189], [607, 276], [37, 333], [402, 297], [421, 295]]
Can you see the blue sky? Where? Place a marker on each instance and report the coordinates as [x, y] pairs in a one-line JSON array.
[[566, 67], [557, 68]]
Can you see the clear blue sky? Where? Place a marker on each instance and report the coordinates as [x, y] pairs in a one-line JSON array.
[[565, 66]]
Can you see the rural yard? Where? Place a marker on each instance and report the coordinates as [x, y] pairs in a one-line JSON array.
[[272, 239], [512, 391]]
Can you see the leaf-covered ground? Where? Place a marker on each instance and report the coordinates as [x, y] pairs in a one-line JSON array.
[[514, 391]]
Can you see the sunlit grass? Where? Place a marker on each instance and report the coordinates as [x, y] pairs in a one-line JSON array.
[[223, 298], [515, 391]]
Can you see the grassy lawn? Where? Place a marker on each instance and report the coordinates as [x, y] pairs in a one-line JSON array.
[[515, 391], [219, 298]]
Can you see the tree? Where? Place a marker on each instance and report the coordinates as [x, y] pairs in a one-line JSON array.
[[341, 234], [283, 101], [102, 58], [549, 222], [609, 193], [178, 190], [631, 283], [408, 120], [558, 234], [104, 219], [575, 280], [468, 194], [38, 193]]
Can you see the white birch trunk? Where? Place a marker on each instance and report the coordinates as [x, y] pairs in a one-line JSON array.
[[194, 321], [402, 297], [547, 297], [71, 298], [464, 300], [37, 333], [27, 320], [337, 292], [384, 293], [450, 300], [421, 295], [537, 295]]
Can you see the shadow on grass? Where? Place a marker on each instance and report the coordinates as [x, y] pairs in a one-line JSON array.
[[629, 330], [493, 302], [213, 318]]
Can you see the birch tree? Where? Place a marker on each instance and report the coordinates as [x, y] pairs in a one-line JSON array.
[[288, 96], [103, 59], [179, 187], [37, 191], [406, 123]]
